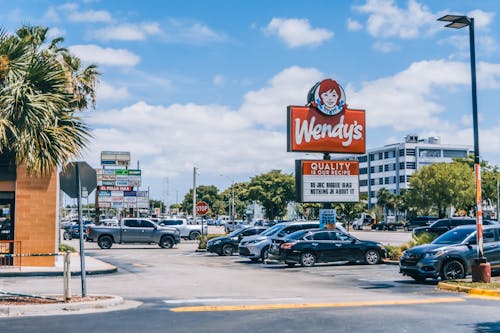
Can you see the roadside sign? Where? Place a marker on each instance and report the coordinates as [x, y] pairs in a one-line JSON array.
[[201, 208], [68, 181]]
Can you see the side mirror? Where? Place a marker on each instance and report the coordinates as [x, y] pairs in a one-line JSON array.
[[353, 241]]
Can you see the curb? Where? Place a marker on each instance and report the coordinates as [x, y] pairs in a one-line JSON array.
[[110, 270], [64, 308], [468, 290]]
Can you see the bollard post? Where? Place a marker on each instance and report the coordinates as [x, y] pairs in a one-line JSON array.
[[67, 276]]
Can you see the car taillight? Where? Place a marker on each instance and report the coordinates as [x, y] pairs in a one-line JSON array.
[[286, 246], [88, 231]]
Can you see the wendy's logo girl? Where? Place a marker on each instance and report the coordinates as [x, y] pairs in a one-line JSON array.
[[328, 97]]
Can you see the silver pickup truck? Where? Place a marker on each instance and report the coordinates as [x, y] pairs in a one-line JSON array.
[[133, 230]]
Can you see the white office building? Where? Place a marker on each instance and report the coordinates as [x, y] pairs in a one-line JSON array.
[[392, 166]]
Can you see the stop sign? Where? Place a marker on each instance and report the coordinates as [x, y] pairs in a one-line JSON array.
[[201, 208]]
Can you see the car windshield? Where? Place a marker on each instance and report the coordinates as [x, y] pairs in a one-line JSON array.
[[237, 232], [298, 234], [271, 231], [454, 236]]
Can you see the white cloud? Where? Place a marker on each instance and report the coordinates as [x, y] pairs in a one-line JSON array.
[[353, 25], [106, 91], [297, 32], [385, 47], [89, 16], [482, 19], [55, 33], [387, 20], [128, 32], [267, 106], [105, 56], [190, 32], [219, 80]]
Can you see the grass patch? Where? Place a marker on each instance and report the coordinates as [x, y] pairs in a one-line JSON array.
[[487, 286]]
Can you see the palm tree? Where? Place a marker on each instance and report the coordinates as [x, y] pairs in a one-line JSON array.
[[41, 88]]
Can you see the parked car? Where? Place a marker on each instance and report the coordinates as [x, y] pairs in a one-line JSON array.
[[134, 230], [230, 226], [451, 255], [361, 220], [419, 221], [73, 230], [308, 247], [189, 231], [441, 226], [256, 247], [228, 245]]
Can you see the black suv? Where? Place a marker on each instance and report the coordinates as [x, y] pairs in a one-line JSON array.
[[419, 221], [451, 255], [441, 226], [228, 245]]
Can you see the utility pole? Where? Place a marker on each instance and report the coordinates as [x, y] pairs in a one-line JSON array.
[[194, 195]]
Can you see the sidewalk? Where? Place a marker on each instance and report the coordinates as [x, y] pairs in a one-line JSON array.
[[92, 267]]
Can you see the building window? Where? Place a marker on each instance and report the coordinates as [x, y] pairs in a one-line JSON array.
[[380, 156], [454, 153], [362, 159], [363, 171], [363, 182], [401, 165], [411, 165], [402, 179], [429, 153], [386, 167], [401, 152], [372, 181], [408, 178], [410, 152], [372, 194], [389, 154], [380, 168], [372, 157], [372, 169], [386, 180], [394, 180], [381, 181]]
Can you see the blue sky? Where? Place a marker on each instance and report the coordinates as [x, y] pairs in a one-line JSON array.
[[206, 83]]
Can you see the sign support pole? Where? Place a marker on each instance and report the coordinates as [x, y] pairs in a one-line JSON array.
[[82, 249]]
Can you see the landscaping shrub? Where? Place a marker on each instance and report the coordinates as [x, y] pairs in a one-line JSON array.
[[395, 252], [66, 248]]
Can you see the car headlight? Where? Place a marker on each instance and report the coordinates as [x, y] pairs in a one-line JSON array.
[[255, 241], [433, 254]]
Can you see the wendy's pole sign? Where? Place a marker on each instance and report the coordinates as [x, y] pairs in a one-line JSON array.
[[326, 125]]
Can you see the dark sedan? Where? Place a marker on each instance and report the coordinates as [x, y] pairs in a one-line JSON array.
[[308, 247], [441, 226], [228, 245]]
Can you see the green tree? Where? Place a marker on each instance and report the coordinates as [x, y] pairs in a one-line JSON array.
[[207, 193], [241, 200], [41, 89], [385, 200], [442, 185], [274, 191]]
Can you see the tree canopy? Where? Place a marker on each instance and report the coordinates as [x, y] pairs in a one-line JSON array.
[[41, 87]]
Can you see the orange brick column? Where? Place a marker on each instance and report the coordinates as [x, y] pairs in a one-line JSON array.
[[35, 217]]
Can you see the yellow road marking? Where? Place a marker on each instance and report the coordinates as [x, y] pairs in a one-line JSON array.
[[209, 308], [494, 298]]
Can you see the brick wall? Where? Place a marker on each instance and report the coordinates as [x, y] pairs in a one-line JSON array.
[[35, 216]]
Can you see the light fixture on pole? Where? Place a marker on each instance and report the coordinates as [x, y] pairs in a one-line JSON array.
[[481, 270]]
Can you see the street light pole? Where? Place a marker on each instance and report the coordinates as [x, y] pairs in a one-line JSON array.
[[481, 270], [194, 196]]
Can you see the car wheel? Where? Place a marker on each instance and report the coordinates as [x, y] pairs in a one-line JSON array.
[[227, 250], [105, 242], [264, 254], [193, 235], [307, 259], [372, 257], [166, 242], [452, 270], [66, 236]]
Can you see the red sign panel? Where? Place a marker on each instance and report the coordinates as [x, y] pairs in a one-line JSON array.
[[312, 131], [115, 188], [201, 208]]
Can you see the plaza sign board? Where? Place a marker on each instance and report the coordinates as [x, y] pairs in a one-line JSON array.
[[327, 181]]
